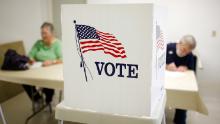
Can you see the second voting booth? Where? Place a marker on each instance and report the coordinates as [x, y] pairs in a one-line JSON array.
[[114, 63]]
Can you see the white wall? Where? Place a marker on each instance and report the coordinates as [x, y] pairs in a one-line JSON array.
[[21, 20], [196, 17], [57, 11], [117, 1]]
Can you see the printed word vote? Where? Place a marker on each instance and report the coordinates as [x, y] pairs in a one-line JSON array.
[[118, 69]]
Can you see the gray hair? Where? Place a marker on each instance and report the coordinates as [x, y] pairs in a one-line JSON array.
[[49, 25], [189, 40]]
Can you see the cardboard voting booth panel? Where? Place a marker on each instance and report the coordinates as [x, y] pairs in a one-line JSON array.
[[114, 58]]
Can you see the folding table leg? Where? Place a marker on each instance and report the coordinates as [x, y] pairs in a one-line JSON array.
[[2, 115], [60, 122], [36, 112], [60, 95], [32, 99]]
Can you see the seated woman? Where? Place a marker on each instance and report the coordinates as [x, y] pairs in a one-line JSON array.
[[48, 51]]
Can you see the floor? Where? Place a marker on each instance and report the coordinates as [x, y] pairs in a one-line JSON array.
[[211, 96], [18, 108]]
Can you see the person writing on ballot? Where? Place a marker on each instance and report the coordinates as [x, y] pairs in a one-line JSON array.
[[179, 58]]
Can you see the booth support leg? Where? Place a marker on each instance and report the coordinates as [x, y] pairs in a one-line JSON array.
[[2, 115], [164, 119]]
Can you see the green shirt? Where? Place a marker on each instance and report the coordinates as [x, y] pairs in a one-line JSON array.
[[41, 52]]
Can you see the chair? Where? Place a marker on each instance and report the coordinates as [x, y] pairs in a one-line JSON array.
[[195, 63]]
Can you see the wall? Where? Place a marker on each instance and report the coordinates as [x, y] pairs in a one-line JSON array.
[[57, 11], [117, 1], [21, 20]]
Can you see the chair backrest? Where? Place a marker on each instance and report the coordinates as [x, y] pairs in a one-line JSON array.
[[195, 63], [7, 89], [17, 45]]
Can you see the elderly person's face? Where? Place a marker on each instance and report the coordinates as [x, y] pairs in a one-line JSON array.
[[47, 35], [183, 49]]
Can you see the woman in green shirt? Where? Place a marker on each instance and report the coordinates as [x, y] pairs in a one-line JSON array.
[[48, 51]]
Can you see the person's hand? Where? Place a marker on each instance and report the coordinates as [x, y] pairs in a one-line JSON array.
[[47, 63], [182, 68], [31, 61], [171, 67]]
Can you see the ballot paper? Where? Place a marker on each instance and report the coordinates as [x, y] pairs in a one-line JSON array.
[[36, 65], [173, 74]]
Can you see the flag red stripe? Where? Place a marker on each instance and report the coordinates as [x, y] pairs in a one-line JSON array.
[[103, 33], [106, 52], [89, 41], [94, 49], [96, 41], [116, 45], [111, 44], [122, 56], [94, 46], [106, 36], [108, 44], [107, 39], [100, 45], [104, 49]]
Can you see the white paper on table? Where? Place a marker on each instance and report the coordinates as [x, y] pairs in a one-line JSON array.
[[36, 65], [173, 74]]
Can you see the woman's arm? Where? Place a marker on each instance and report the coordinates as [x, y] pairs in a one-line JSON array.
[[52, 62], [33, 52]]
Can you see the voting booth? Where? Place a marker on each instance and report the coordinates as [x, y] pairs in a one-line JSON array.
[[114, 62]]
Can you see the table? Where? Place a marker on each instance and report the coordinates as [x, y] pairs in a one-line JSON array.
[[183, 92], [52, 77], [182, 89], [46, 77]]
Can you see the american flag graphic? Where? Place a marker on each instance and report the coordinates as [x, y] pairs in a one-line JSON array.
[[159, 46], [91, 39], [159, 38]]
